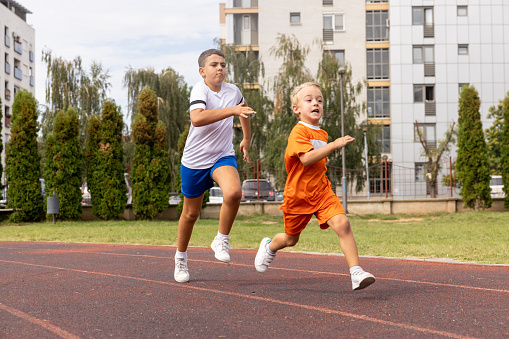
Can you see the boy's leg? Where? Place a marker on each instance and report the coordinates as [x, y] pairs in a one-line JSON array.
[[190, 213], [228, 180], [341, 225]]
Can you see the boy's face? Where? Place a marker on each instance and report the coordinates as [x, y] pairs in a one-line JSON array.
[[310, 106], [214, 71]]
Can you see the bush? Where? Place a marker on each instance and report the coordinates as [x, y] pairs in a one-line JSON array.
[[22, 168]]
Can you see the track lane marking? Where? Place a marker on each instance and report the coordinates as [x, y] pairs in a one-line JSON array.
[[36, 321], [245, 296]]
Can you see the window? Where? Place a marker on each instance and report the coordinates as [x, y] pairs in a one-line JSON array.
[[463, 49], [334, 22], [428, 134], [424, 54], [295, 18], [246, 22], [339, 55], [462, 10], [378, 63], [376, 26], [420, 170], [379, 102], [460, 86], [384, 139], [424, 93], [422, 16], [327, 2]]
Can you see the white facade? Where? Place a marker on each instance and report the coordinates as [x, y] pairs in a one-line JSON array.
[[17, 59], [469, 45]]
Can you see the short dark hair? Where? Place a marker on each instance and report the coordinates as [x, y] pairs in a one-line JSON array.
[[203, 57]]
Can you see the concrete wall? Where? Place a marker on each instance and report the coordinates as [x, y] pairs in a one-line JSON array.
[[359, 207]]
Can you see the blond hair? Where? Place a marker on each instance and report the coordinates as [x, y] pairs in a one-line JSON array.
[[294, 96]]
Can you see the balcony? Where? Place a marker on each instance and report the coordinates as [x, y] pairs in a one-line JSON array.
[[7, 41], [7, 94], [18, 74], [7, 68], [17, 47]]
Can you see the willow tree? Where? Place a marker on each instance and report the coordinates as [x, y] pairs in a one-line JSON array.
[[69, 84], [172, 95], [64, 164], [472, 163], [493, 136], [354, 111], [151, 172], [244, 69], [292, 73], [22, 164]]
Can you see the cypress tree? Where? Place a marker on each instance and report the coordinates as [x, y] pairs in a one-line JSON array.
[[151, 174], [505, 150], [91, 161], [23, 161], [1, 149], [64, 162], [472, 163], [109, 186]]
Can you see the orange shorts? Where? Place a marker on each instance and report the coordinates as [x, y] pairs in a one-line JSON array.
[[330, 207]]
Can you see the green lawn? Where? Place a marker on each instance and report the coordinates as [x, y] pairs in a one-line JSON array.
[[480, 237]]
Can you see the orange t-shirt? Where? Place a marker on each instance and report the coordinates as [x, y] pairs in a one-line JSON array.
[[306, 186]]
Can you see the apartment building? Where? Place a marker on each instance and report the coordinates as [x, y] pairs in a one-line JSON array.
[[414, 55], [17, 59]]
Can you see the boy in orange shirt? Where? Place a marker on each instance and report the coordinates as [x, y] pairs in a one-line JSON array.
[[308, 192]]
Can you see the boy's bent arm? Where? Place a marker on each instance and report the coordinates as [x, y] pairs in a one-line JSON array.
[[201, 117], [312, 157]]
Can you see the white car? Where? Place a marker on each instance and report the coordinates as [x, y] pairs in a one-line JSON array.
[[216, 196]]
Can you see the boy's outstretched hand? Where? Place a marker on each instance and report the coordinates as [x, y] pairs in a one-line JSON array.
[[244, 148], [243, 110], [342, 142]]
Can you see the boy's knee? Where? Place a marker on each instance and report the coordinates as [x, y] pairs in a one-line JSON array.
[[191, 214], [232, 196]]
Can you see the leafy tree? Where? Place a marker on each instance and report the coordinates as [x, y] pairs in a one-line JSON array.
[[330, 82], [109, 189], [1, 148], [68, 84], [151, 172], [494, 137], [472, 163], [173, 102], [22, 168], [244, 69], [434, 155], [64, 161], [292, 73], [505, 150]]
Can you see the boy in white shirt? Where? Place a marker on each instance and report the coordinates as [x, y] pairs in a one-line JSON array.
[[209, 156]]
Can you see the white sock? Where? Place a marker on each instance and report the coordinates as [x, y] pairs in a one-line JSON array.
[[355, 268], [181, 255], [222, 236], [268, 249]]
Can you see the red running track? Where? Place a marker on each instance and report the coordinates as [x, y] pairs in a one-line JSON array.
[[52, 290]]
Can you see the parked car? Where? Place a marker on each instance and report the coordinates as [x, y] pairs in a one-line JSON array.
[[497, 186], [174, 198], [253, 189], [279, 195], [216, 196]]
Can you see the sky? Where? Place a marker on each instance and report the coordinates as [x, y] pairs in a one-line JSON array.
[[121, 34]]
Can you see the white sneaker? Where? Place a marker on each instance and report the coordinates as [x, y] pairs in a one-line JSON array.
[[220, 248], [181, 272], [263, 258], [361, 279]]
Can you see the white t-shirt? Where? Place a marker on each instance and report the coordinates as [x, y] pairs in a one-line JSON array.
[[205, 145]]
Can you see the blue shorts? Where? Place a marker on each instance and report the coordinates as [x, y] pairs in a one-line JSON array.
[[194, 182]]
